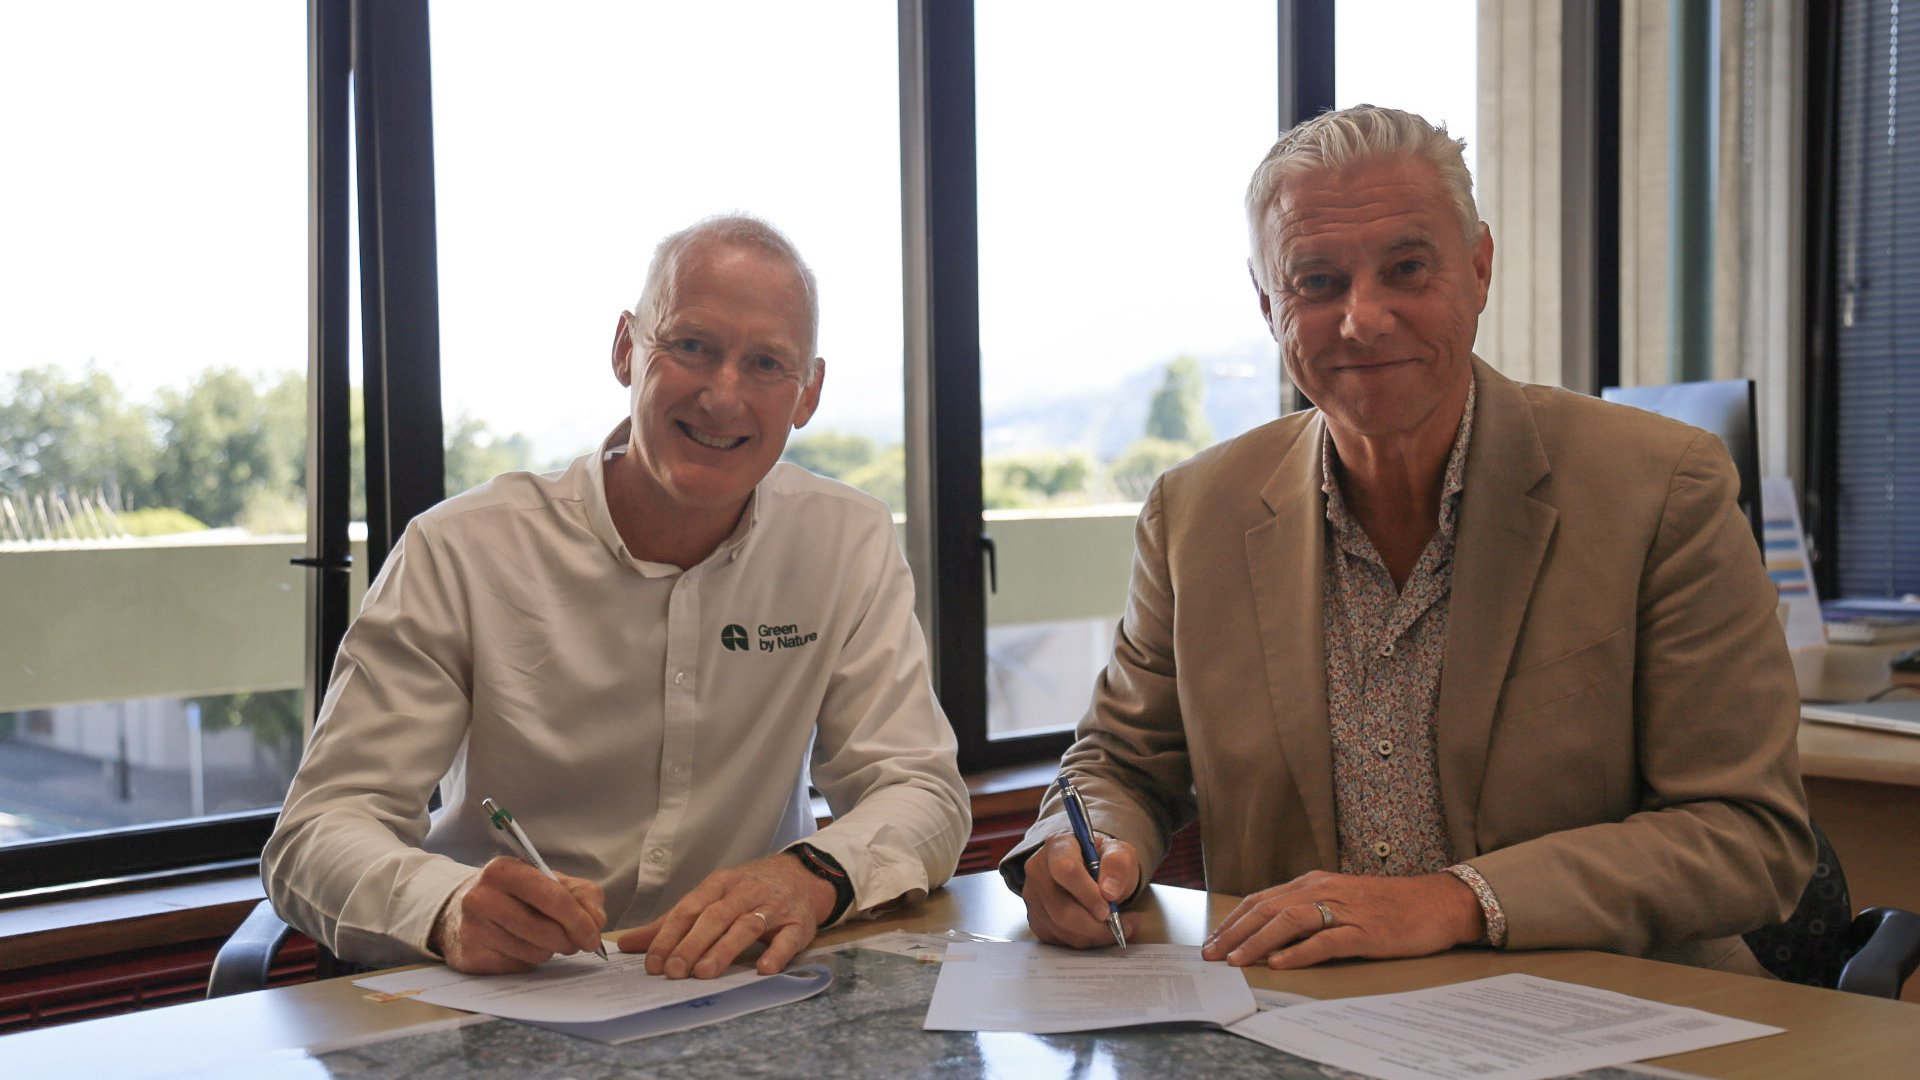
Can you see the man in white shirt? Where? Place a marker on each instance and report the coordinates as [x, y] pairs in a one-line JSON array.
[[645, 658]]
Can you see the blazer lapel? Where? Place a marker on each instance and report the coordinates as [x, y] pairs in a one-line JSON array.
[[1502, 538], [1284, 558]]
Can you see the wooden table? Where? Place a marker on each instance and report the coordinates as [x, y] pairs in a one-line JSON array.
[[1828, 1033]]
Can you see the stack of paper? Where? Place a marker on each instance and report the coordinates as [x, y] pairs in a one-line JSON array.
[[1511, 1027], [611, 1000]]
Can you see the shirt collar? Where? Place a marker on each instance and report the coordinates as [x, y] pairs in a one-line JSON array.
[[599, 515], [1452, 480]]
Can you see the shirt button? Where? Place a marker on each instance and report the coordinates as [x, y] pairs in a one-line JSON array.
[[1385, 746], [1387, 650], [679, 677], [657, 855], [1383, 849]]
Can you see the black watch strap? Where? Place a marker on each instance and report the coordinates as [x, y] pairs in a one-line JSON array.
[[828, 869]]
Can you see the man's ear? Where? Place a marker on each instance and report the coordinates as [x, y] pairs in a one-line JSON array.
[[1266, 302], [1483, 262], [623, 349], [810, 396]]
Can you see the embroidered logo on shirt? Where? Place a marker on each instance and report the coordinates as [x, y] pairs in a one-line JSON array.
[[785, 637], [734, 637]]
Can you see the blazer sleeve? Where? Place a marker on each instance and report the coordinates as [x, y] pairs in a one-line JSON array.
[[1719, 843], [1129, 757]]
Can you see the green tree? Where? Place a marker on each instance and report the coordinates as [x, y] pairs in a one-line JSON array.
[[831, 453], [475, 455], [271, 717], [1134, 471], [1178, 411], [885, 478], [1049, 475], [226, 441], [74, 434]]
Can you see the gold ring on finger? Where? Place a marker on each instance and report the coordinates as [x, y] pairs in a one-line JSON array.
[[1326, 914], [765, 923]]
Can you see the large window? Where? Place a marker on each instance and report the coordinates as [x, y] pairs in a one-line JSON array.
[[174, 252], [1427, 65], [153, 409], [1118, 331], [571, 137]]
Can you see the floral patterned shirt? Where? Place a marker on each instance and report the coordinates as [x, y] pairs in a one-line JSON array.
[[1384, 653]]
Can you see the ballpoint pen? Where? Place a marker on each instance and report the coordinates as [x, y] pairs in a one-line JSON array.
[[502, 819], [1083, 832]]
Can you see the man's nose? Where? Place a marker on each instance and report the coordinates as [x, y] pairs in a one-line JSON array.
[[721, 393], [1368, 314]]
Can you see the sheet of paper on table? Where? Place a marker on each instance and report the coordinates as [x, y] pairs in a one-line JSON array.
[[1510, 1027], [1041, 989], [928, 948], [583, 989]]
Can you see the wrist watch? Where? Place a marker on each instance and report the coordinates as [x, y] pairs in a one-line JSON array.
[[828, 869]]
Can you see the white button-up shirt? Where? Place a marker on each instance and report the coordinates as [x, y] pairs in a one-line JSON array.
[[645, 724]]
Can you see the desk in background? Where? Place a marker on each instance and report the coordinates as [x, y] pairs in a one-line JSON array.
[[1828, 1033], [1863, 786]]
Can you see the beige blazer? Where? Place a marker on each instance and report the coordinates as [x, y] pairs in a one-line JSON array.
[[1617, 713]]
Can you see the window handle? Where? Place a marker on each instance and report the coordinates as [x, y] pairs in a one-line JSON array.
[[993, 562]]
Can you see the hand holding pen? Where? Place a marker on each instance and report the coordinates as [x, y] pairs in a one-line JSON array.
[[502, 819], [1089, 852]]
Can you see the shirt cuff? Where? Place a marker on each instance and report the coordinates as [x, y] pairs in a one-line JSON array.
[[1496, 919]]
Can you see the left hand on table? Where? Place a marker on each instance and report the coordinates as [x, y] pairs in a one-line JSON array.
[[1376, 917], [774, 900]]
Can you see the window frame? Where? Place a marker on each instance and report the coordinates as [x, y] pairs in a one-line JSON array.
[[377, 51]]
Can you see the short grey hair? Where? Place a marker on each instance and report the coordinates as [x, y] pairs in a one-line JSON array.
[[1335, 140], [739, 229]]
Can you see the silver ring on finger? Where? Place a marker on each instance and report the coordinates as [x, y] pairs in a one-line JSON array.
[[1326, 914], [765, 923]]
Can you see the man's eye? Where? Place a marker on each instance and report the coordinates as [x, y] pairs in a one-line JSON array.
[[689, 345], [1408, 267], [1314, 284]]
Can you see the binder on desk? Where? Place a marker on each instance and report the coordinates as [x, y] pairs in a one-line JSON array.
[[1868, 621], [1902, 716]]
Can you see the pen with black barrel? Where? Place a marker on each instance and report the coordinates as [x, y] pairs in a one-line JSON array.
[[1090, 854], [502, 819]]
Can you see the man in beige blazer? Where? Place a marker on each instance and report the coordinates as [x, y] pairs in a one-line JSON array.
[[1448, 659]]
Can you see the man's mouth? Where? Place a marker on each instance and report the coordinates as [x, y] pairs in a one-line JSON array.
[[712, 442]]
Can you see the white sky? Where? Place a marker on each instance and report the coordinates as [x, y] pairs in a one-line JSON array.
[[153, 207]]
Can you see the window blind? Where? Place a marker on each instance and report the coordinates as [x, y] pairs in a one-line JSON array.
[[1877, 361]]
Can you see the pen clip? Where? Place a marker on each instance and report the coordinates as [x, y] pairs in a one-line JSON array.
[[499, 815]]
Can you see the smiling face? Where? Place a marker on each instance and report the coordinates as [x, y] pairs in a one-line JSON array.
[[718, 383], [1375, 298]]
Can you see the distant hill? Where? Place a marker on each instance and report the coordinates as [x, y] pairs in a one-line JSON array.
[[1243, 391]]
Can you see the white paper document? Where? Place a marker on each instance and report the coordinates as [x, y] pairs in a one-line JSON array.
[[1041, 989], [1511, 1027], [574, 989], [789, 986], [927, 948]]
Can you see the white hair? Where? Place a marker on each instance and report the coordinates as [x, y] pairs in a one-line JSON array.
[[1335, 140], [740, 229]]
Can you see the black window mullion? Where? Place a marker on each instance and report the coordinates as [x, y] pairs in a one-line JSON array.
[[399, 282], [329, 483], [942, 203]]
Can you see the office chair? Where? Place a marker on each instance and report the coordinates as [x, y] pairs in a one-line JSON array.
[[245, 959], [1823, 943], [1727, 409]]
